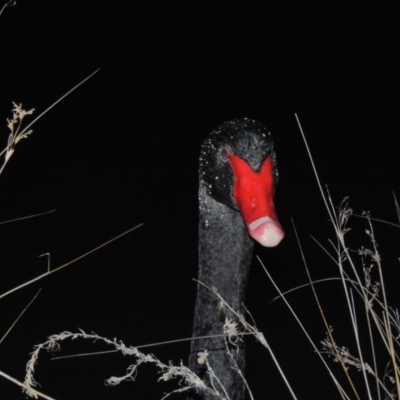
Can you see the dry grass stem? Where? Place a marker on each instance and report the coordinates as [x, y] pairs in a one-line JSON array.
[[19, 317], [11, 3], [35, 393], [368, 290], [69, 262]]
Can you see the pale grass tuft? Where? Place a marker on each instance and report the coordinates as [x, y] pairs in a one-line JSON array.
[[231, 332], [202, 356], [15, 135], [377, 324], [14, 124], [168, 372], [343, 354]]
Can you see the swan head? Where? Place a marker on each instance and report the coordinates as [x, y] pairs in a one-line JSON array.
[[238, 169]]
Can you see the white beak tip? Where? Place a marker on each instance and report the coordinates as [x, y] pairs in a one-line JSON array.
[[266, 231]]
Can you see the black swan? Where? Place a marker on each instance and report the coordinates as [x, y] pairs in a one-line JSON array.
[[237, 175]]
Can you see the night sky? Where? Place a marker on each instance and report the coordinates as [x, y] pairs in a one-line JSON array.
[[123, 150]]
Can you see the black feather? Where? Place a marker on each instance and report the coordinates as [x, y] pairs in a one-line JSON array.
[[225, 248]]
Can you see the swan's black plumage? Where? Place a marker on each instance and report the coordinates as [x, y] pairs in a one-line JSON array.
[[225, 247]]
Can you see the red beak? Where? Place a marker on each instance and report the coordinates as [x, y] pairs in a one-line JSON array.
[[254, 192]]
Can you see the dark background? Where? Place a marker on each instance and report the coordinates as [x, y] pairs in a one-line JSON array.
[[122, 150]]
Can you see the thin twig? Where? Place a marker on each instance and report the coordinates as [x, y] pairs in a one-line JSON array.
[[20, 315], [34, 391], [69, 262], [27, 217], [11, 3]]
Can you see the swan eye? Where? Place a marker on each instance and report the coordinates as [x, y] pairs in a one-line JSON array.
[[225, 154]]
